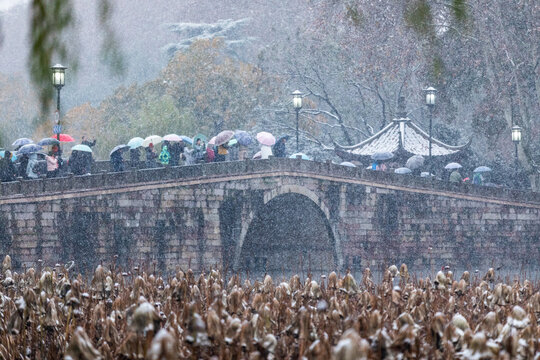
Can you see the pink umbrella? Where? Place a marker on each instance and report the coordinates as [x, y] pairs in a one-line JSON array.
[[266, 138], [212, 141], [224, 137], [257, 155]]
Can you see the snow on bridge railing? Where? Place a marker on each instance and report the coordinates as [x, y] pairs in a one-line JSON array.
[[273, 167]]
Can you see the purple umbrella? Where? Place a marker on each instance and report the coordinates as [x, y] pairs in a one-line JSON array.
[[243, 137], [224, 137], [21, 142], [266, 138]]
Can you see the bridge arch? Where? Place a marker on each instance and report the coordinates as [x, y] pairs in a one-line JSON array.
[[279, 234]]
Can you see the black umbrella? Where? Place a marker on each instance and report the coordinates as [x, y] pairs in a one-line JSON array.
[[119, 148]]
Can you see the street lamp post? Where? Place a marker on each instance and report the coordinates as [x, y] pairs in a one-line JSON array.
[[516, 138], [58, 81], [297, 104], [430, 102]]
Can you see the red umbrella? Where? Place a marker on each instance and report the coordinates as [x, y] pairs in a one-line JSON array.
[[64, 138]]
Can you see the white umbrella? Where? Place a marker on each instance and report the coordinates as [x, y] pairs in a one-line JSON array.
[[403, 170], [453, 166], [172, 137], [349, 164], [152, 139]]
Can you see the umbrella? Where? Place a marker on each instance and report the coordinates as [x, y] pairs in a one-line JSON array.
[[266, 138], [172, 137], [243, 137], [257, 155], [21, 142], [152, 139], [482, 169], [117, 148], [349, 164], [199, 136], [382, 156], [212, 141], [415, 162], [13, 155], [135, 142], [64, 138], [403, 170], [187, 139], [453, 166], [29, 149], [302, 156], [232, 142], [81, 147], [48, 141], [224, 137]]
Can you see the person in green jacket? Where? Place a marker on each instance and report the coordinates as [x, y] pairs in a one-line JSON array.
[[455, 176], [164, 156]]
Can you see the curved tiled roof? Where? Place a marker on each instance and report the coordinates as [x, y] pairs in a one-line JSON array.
[[402, 135]]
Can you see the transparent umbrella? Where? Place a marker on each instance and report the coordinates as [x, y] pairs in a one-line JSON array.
[[382, 156], [403, 170], [453, 166]]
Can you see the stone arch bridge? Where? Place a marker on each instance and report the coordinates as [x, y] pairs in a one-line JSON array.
[[267, 215]]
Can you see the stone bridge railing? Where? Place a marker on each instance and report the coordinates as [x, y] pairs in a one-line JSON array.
[[228, 171]]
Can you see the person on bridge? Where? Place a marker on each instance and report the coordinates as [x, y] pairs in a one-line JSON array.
[[165, 155], [150, 156], [455, 176], [52, 165], [134, 157], [199, 151], [30, 168], [7, 169], [117, 161], [222, 153], [87, 142], [176, 149], [266, 151], [279, 147]]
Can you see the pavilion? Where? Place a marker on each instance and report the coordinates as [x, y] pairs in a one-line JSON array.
[[403, 138]]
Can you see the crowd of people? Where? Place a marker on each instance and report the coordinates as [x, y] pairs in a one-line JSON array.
[[171, 153]]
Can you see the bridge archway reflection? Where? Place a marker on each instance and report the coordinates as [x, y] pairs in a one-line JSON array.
[[290, 233]]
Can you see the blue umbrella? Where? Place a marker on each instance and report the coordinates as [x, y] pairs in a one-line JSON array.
[[482, 169], [29, 149], [403, 170], [135, 142], [48, 141], [81, 147], [243, 137], [22, 141], [302, 155], [187, 139], [13, 155]]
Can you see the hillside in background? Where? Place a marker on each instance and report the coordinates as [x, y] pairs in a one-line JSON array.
[[142, 32]]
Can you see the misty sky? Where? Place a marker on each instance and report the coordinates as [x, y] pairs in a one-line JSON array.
[[7, 4]]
